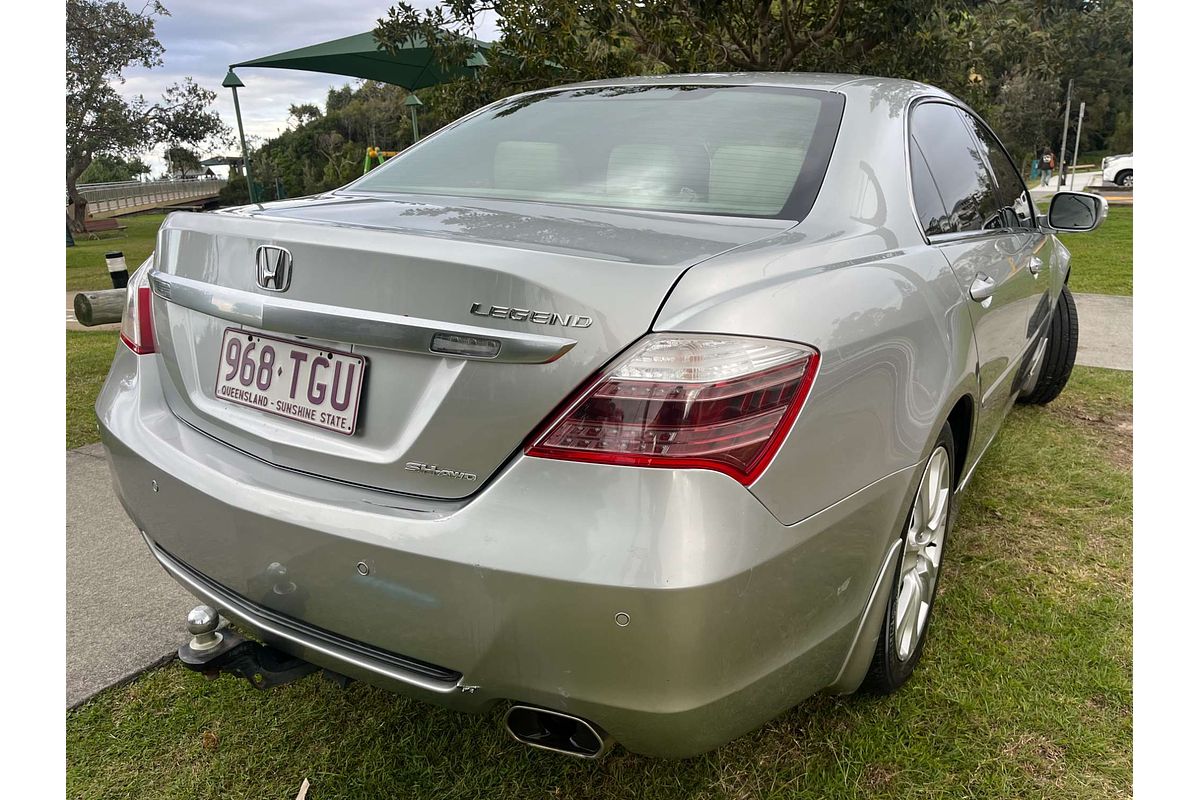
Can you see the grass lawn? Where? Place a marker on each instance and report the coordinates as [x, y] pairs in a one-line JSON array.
[[1024, 691], [89, 354], [1102, 261], [85, 261]]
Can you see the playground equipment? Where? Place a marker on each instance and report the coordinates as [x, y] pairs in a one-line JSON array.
[[379, 155]]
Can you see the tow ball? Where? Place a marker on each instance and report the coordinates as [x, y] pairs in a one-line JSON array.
[[211, 651]]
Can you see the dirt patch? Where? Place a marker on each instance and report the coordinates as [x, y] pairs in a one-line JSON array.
[[1037, 756], [878, 777], [1115, 428]]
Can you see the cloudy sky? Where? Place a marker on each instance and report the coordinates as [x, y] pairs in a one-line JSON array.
[[203, 37]]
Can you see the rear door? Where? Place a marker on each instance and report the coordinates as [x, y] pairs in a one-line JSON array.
[[986, 229]]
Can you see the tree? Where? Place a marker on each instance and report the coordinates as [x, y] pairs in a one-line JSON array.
[[103, 38], [105, 169], [304, 113], [972, 48], [1025, 107], [323, 150], [1052, 42], [1094, 45], [1121, 139], [548, 42], [181, 159]]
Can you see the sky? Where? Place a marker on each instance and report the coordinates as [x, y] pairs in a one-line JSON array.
[[203, 37]]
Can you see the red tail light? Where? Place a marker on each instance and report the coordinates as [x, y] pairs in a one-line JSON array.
[[137, 324], [687, 401]]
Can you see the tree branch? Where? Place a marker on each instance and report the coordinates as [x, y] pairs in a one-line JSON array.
[[829, 28], [747, 53], [789, 35]]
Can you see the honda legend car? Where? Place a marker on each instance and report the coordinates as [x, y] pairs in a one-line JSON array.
[[638, 409]]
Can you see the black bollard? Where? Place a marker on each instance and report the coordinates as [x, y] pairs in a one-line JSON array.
[[117, 269]]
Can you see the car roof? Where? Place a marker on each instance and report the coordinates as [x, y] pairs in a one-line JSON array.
[[865, 87]]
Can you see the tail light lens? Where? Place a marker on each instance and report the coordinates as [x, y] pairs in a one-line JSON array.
[[137, 325], [687, 401]]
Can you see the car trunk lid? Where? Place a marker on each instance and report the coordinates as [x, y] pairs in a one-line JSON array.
[[561, 289]]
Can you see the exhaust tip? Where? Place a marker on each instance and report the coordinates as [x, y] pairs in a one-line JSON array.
[[561, 733]]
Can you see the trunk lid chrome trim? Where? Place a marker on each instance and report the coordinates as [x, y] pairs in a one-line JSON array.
[[349, 325]]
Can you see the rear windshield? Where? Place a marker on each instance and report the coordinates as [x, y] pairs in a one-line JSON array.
[[729, 150]]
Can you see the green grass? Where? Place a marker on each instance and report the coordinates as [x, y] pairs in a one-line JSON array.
[[85, 261], [1102, 261], [89, 354], [1024, 690]]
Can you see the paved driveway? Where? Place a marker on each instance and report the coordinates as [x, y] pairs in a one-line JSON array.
[[1105, 331], [124, 614]]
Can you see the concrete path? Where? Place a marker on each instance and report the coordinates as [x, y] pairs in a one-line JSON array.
[[1083, 182], [1079, 183], [1105, 331], [124, 614]]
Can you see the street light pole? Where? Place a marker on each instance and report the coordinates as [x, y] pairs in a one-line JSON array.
[[1078, 128], [1062, 156], [233, 82]]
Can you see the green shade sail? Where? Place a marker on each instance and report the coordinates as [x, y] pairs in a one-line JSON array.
[[412, 67]]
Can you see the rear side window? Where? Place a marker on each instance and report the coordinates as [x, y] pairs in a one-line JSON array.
[[1015, 207], [930, 210], [958, 170], [731, 150]]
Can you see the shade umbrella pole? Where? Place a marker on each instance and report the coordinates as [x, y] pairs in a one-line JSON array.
[[233, 82], [413, 102]]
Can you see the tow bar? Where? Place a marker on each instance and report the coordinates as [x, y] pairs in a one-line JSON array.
[[211, 652]]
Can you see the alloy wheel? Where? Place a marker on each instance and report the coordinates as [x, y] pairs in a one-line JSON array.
[[923, 545]]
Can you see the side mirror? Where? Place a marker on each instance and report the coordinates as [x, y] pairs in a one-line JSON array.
[[1076, 212]]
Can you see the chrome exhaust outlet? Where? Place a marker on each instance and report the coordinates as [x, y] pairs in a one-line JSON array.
[[561, 733]]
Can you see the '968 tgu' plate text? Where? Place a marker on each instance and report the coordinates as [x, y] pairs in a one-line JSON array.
[[310, 385]]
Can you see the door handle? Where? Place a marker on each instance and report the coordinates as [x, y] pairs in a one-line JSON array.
[[982, 288], [1035, 265]]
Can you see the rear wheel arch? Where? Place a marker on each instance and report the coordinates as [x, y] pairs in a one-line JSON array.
[[961, 419]]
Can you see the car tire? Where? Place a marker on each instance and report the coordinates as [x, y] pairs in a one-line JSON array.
[[1058, 360], [1124, 178], [900, 644]]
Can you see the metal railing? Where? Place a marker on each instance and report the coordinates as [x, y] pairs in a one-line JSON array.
[[118, 195]]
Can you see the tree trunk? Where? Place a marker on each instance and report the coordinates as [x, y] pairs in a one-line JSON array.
[[77, 215], [77, 204]]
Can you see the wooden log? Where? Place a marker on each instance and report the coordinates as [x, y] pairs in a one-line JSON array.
[[99, 308]]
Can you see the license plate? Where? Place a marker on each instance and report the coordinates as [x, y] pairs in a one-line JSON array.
[[312, 385]]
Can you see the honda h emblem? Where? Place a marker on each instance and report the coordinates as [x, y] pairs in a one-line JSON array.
[[274, 268]]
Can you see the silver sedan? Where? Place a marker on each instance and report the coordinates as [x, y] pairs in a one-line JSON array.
[[638, 408]]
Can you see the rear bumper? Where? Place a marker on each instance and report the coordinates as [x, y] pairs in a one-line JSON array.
[[515, 594]]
